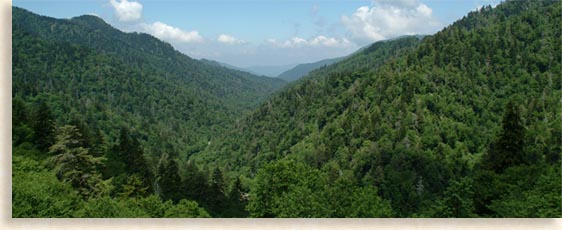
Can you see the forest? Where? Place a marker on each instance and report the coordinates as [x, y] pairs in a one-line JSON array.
[[463, 123]]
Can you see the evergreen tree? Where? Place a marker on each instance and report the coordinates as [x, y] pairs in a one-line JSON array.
[[168, 179], [195, 185], [19, 112], [130, 152], [508, 149], [134, 187], [74, 164], [83, 129], [43, 127], [98, 144], [21, 132], [216, 199], [124, 145], [236, 201]]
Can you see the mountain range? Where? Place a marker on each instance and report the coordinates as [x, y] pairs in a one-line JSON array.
[[462, 123]]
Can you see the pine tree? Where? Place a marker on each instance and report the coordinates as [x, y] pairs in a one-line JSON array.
[[134, 187], [85, 139], [508, 149], [44, 127], [236, 201], [19, 112], [21, 130], [195, 184], [169, 180], [216, 199], [73, 163], [129, 151], [98, 144]]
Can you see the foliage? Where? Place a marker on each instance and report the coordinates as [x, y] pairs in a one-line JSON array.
[[463, 123], [290, 189], [73, 164], [418, 119], [36, 192], [87, 70]]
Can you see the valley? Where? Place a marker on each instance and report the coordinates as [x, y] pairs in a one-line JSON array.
[[462, 123]]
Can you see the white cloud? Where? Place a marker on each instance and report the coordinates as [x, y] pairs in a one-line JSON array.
[[170, 33], [127, 11], [223, 38], [390, 18], [319, 41]]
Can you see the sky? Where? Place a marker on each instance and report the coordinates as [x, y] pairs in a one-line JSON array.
[[248, 33]]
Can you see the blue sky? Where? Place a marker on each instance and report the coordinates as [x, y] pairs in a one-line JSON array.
[[267, 32]]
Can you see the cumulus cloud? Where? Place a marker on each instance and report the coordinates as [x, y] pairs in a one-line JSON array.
[[223, 38], [170, 33], [127, 11], [319, 41], [390, 18]]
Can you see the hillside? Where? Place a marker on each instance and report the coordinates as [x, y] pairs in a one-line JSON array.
[[148, 54], [459, 125], [462, 123], [90, 71], [303, 69]]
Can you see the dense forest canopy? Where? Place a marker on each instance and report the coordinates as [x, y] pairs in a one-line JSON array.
[[463, 123]]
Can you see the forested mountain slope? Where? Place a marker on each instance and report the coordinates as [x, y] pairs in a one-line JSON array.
[[465, 123], [102, 122], [149, 55], [90, 71], [293, 106], [303, 69]]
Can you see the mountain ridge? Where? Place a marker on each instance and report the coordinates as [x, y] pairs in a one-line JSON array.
[[204, 89], [303, 69]]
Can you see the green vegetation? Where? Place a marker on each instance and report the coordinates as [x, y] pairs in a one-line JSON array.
[[460, 124], [302, 70], [89, 71], [464, 123]]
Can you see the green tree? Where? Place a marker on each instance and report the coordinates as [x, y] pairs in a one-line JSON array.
[[37, 193], [43, 127], [457, 200], [73, 163], [542, 200], [130, 158], [21, 130], [508, 149], [185, 209], [106, 207], [195, 185], [216, 199], [134, 187], [237, 201], [168, 180]]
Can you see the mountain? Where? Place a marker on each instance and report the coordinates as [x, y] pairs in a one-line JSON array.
[[87, 70], [463, 123], [221, 64], [269, 70], [303, 69]]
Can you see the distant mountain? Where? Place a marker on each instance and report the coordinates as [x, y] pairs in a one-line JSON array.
[[303, 69], [269, 70], [225, 65]]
